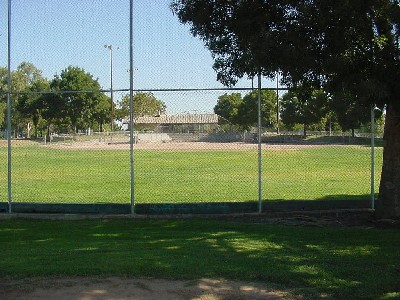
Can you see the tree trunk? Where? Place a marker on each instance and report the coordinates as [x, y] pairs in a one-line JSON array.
[[28, 130], [388, 204]]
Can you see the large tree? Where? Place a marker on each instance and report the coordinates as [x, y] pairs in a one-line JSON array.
[[227, 107], [23, 78], [144, 104], [349, 114], [3, 96], [243, 112], [77, 97], [306, 109], [101, 114], [30, 105], [248, 110], [335, 45]]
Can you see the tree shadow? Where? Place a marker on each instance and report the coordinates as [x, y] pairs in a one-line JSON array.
[[321, 140], [310, 262]]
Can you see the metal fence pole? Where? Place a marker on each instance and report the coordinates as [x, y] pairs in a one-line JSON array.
[[131, 133], [277, 102], [373, 157], [259, 147], [9, 109]]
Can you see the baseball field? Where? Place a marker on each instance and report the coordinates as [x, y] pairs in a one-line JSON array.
[[186, 172]]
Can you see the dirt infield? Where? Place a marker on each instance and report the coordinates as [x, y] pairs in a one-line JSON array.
[[162, 146], [173, 146], [124, 288], [156, 146]]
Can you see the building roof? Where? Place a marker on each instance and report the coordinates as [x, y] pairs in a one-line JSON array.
[[178, 119]]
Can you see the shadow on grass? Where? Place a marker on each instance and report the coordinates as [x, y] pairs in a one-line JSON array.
[[312, 262], [347, 197], [326, 203], [322, 140]]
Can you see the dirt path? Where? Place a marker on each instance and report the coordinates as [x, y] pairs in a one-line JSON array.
[[124, 288]]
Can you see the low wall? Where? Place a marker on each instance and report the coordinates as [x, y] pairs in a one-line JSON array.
[[186, 208]]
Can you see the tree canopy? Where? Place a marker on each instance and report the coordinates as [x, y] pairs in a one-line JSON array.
[[306, 110], [227, 107], [144, 104], [337, 45], [244, 111], [72, 101], [80, 96]]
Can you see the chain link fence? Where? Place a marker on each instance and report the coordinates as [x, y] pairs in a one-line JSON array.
[[73, 146]]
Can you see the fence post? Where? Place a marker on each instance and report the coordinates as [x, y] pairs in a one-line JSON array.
[[9, 109], [373, 157], [259, 147], [132, 160]]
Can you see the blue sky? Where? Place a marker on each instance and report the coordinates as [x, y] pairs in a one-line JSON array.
[[53, 34]]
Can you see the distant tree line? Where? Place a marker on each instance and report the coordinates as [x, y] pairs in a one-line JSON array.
[[71, 102], [299, 109]]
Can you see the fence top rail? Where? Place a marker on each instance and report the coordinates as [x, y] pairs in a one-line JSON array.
[[138, 90]]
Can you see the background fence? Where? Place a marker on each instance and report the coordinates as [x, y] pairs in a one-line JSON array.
[[66, 154]]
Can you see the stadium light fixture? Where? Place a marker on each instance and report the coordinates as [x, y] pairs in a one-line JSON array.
[[110, 47]]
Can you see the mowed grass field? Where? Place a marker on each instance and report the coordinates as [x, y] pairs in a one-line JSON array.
[[309, 262], [46, 175]]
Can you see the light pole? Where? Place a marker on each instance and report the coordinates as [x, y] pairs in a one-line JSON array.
[[110, 47]]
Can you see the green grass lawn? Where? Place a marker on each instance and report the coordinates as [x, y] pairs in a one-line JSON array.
[[345, 263], [71, 176]]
